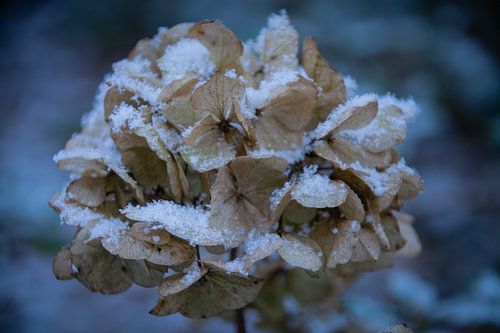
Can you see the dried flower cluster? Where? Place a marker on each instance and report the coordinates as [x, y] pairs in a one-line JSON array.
[[208, 166]]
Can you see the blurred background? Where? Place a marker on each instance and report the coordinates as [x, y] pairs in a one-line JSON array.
[[443, 53]]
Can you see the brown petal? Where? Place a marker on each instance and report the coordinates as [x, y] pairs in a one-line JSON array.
[[413, 247], [352, 208], [224, 45], [218, 96], [319, 192], [114, 97], [333, 90], [368, 247], [213, 294], [301, 252], [150, 233], [174, 252], [172, 35], [146, 167], [347, 117], [283, 120], [344, 241], [96, 268], [179, 282], [144, 274], [87, 191], [61, 265], [350, 152], [281, 45], [146, 50], [387, 130], [207, 148]]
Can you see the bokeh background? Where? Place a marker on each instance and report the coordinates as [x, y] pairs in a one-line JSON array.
[[443, 53]]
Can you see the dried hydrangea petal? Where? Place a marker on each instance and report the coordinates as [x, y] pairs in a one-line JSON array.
[[241, 191], [333, 91], [213, 294], [301, 252], [225, 47], [368, 247], [318, 191], [176, 283], [88, 191], [413, 245], [278, 44], [282, 121]]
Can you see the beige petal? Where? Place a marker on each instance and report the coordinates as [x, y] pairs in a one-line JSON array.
[[146, 50], [280, 44], [282, 122], [344, 241], [114, 97], [392, 230], [146, 167], [179, 282], [387, 130], [97, 269], [144, 274], [333, 90], [295, 213], [224, 45], [413, 246], [368, 247], [351, 152], [352, 208], [351, 115], [257, 247], [61, 265], [174, 252], [241, 191], [213, 294], [147, 232], [87, 191], [172, 35], [319, 191], [218, 96], [411, 186], [301, 252], [207, 148]]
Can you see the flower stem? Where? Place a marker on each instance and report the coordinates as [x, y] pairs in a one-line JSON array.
[[240, 321], [239, 316]]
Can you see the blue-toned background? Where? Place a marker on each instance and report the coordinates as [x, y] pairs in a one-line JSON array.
[[443, 53]]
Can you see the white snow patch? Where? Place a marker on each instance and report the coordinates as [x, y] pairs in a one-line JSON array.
[[187, 222], [187, 56]]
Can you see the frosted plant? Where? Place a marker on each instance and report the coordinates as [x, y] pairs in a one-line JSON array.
[[209, 168]]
